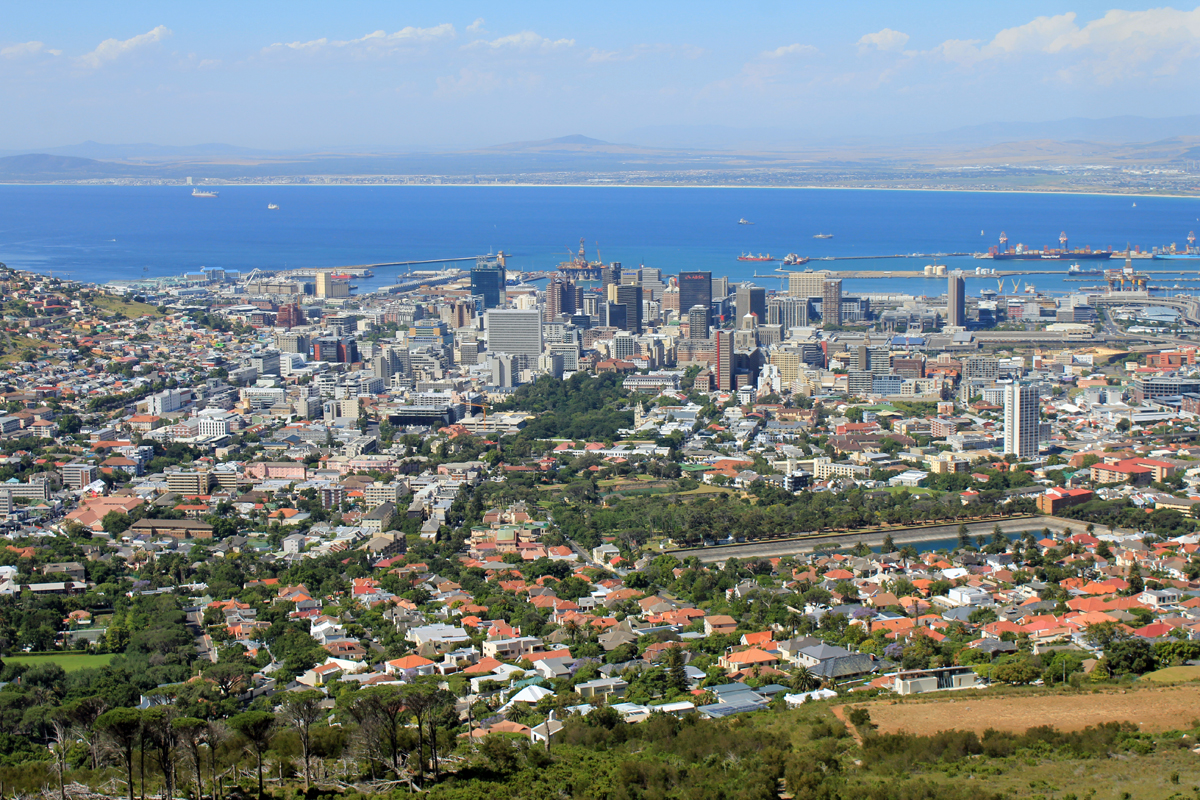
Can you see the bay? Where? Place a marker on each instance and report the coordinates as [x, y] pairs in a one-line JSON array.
[[104, 233]]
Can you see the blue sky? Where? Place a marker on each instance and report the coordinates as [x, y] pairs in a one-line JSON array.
[[426, 75]]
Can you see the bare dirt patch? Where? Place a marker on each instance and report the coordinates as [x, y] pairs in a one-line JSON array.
[[1153, 710]]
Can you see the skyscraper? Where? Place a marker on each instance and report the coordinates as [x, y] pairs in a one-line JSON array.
[[698, 322], [1021, 429], [631, 298], [695, 289], [790, 312], [751, 300], [560, 298], [487, 281], [651, 282], [723, 369], [517, 333], [956, 307], [806, 284], [831, 302], [331, 289]]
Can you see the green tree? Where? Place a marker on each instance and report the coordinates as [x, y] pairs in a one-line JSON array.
[[189, 732], [256, 729], [1136, 584], [115, 523], [123, 728], [676, 674], [1016, 671], [300, 711]]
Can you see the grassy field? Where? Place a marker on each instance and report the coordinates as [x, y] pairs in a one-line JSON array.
[[915, 490], [1157, 773], [126, 307], [706, 489], [1174, 675], [12, 351], [1152, 709], [68, 661]]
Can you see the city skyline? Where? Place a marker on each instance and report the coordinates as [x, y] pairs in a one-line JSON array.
[[357, 78]]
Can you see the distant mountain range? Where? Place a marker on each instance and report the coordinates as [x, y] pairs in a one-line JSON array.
[[1126, 139], [1109, 130], [145, 151]]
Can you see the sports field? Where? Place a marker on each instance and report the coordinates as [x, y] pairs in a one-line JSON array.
[[68, 661]]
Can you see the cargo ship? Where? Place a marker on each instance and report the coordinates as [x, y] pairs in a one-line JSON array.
[[1075, 269], [198, 193], [822, 235], [744, 221], [792, 259], [759, 257], [1022, 253], [1192, 252]]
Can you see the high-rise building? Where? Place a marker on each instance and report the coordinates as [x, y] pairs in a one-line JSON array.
[[651, 282], [336, 349], [625, 345], [292, 343], [790, 312], [751, 300], [806, 284], [956, 307], [631, 298], [831, 302], [698, 322], [487, 281], [387, 362], [720, 288], [329, 288], [468, 353], [560, 298], [695, 289], [669, 301], [723, 369], [517, 333], [1021, 428], [290, 315]]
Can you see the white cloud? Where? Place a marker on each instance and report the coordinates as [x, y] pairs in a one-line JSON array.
[[1111, 47], [598, 56], [790, 50], [26, 49], [524, 41], [601, 56], [886, 39], [468, 81], [476, 26], [111, 49], [377, 41]]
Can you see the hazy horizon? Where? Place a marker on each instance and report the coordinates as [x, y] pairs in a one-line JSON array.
[[375, 76]]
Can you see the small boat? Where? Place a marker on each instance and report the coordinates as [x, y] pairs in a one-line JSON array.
[[822, 235], [272, 207], [744, 221]]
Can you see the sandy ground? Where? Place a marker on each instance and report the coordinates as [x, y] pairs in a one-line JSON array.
[[1167, 708]]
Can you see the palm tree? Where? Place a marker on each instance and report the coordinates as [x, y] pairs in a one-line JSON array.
[[804, 681]]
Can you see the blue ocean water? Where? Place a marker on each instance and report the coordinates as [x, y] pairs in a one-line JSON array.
[[102, 233]]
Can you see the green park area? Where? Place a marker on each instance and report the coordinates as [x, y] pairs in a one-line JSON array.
[[70, 662]]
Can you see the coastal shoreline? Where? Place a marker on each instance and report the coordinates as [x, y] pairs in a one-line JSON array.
[[805, 187]]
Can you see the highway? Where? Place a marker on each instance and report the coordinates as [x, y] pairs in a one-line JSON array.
[[755, 550]]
